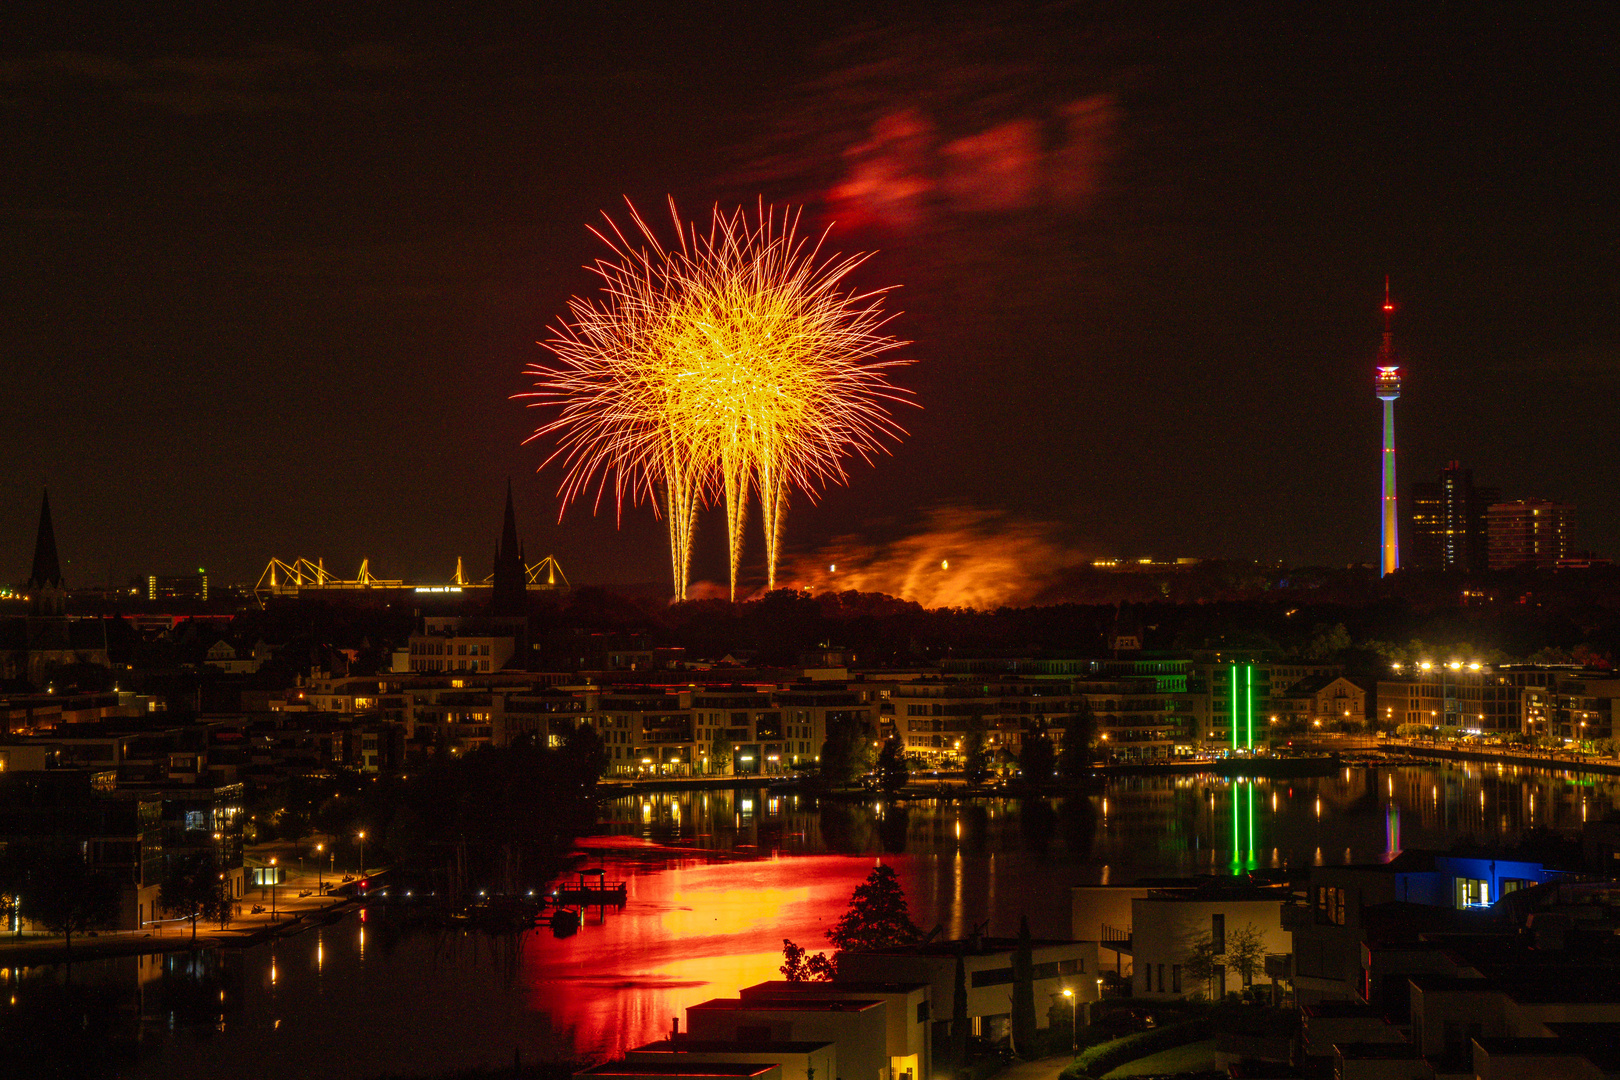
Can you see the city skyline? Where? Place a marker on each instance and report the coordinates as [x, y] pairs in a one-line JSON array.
[[266, 303]]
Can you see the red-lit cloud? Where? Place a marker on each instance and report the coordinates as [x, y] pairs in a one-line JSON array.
[[907, 166]]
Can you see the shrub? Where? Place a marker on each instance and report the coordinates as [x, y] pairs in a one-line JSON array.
[[1111, 1055]]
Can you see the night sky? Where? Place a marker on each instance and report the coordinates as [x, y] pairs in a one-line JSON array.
[[271, 278]]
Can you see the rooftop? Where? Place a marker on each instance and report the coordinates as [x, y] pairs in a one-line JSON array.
[[838, 986], [721, 1046], [968, 947], [851, 1005], [680, 1068]]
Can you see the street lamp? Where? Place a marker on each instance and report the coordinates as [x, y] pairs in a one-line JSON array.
[[362, 853], [273, 876], [1074, 1022], [320, 879]]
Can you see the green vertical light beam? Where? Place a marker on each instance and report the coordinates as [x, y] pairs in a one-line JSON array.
[[1248, 701], [1251, 824], [1237, 851], [1233, 706]]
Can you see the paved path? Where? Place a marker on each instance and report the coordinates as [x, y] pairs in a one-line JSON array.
[[171, 934], [1039, 1069]]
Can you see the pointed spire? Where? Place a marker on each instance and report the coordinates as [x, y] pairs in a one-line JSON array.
[[47, 568], [1386, 350], [509, 538]]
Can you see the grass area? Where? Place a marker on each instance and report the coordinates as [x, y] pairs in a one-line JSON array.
[[1194, 1057]]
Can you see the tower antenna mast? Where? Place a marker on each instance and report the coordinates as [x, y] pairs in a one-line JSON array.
[[1387, 383]]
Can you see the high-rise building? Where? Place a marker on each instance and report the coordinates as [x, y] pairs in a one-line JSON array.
[[1387, 385], [1530, 534], [1448, 522]]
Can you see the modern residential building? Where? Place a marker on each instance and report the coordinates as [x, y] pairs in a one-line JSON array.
[[858, 1025], [1060, 966], [79, 813], [804, 1060], [1348, 908], [1530, 534], [1217, 914], [1576, 708], [908, 1008], [1463, 694]]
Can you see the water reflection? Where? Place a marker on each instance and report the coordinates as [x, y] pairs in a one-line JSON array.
[[715, 881]]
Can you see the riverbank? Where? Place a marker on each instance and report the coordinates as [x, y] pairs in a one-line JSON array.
[[298, 905], [1552, 761]]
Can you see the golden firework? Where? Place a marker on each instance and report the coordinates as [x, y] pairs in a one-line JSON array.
[[737, 360]]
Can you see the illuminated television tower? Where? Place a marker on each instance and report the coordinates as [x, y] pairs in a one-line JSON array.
[[1387, 382]]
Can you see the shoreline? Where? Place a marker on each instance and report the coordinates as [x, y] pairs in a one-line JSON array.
[[293, 916]]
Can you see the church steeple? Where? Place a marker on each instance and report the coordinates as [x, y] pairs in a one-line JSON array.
[[45, 580], [47, 567], [509, 595], [509, 538]]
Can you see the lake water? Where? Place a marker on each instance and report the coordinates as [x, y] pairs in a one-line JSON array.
[[716, 880]]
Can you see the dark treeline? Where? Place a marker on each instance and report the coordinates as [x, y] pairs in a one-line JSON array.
[[1345, 615], [496, 819]]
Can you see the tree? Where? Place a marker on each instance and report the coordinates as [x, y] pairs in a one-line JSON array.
[[892, 771], [1036, 758], [1326, 642], [191, 888], [799, 967], [1023, 993], [1246, 952], [1079, 729], [720, 751], [585, 751], [846, 755], [975, 755], [1201, 959], [877, 918], [67, 897]]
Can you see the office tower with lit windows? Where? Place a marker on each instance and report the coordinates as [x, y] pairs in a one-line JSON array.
[[1387, 385], [1447, 522]]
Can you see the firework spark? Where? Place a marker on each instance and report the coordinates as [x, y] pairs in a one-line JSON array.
[[736, 361]]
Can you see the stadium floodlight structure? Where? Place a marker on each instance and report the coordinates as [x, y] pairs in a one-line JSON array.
[[1387, 384]]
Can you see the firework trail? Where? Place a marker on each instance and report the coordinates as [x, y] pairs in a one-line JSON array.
[[735, 361]]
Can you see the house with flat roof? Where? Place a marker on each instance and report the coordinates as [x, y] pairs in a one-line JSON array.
[[695, 1068], [859, 1027], [804, 1060], [909, 1008]]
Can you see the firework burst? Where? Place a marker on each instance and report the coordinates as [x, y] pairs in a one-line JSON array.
[[736, 361]]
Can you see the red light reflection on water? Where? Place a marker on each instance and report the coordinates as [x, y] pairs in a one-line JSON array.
[[690, 930]]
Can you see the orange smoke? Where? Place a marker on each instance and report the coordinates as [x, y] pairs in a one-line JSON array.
[[964, 559]]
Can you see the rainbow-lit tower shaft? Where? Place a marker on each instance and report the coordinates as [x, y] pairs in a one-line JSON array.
[[1388, 387]]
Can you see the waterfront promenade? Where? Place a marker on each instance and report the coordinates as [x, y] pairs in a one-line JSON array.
[[298, 902]]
